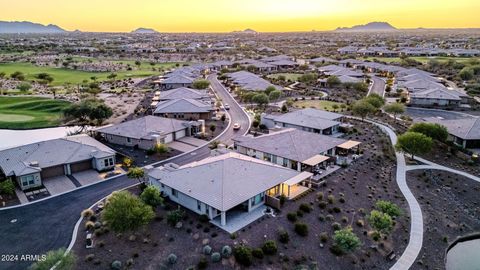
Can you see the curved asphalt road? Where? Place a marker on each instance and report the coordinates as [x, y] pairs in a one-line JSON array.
[[48, 224]]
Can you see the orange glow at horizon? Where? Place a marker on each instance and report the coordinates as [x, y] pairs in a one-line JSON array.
[[229, 15]]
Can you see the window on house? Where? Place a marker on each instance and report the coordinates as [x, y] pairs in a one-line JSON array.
[[174, 192], [285, 162], [24, 181], [267, 157], [105, 162], [129, 140], [199, 205], [30, 179], [110, 160], [274, 159]]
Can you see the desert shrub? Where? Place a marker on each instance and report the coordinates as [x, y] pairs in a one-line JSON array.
[[323, 237], [337, 209], [282, 199], [116, 265], [175, 216], [322, 204], [301, 229], [269, 247], [89, 257], [257, 253], [151, 196], [89, 225], [346, 240], [283, 236], [203, 218], [243, 255], [321, 217], [87, 213], [7, 187], [202, 264], [207, 250], [320, 196], [216, 257], [344, 219], [304, 207], [331, 199], [388, 208], [292, 217], [172, 258], [336, 226], [360, 223], [226, 251]]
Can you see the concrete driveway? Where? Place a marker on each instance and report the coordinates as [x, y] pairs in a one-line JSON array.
[[59, 184], [180, 146]]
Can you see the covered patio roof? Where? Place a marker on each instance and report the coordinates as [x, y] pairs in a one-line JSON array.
[[298, 178], [317, 159], [349, 144]]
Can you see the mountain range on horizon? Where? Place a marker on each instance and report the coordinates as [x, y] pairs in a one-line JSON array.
[[27, 27], [17, 27], [372, 26]]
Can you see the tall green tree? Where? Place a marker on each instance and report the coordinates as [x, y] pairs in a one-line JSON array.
[[201, 84], [346, 240], [136, 173], [414, 143], [151, 196], [261, 99], [432, 130], [126, 212], [395, 109], [382, 222], [362, 108]]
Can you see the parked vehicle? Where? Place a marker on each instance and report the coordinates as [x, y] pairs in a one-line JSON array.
[[226, 106], [236, 126], [89, 241]]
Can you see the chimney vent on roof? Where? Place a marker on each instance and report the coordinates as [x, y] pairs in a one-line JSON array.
[[34, 163]]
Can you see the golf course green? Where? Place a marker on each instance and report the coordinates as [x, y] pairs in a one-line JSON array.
[[30, 112]]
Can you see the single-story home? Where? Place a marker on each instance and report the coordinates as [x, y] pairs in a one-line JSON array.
[[229, 185], [176, 81], [148, 131], [295, 149], [30, 164], [308, 119], [437, 97], [463, 132], [184, 108], [184, 92]]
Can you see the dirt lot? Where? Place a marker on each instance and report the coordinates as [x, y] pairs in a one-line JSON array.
[[450, 207], [355, 190], [122, 105]]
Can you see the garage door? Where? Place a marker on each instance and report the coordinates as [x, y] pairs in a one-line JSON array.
[[81, 166], [52, 172], [180, 134]]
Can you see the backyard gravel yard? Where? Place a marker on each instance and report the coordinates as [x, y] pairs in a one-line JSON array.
[[345, 200]]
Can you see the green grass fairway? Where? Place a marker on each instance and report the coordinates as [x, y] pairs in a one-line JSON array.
[[289, 76], [30, 112], [63, 76], [317, 104]]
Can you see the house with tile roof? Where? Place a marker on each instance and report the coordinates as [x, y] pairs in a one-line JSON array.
[[185, 109], [295, 149], [226, 188], [148, 131], [30, 164], [308, 119]]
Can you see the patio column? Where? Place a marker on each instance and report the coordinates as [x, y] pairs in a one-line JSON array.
[[224, 218]]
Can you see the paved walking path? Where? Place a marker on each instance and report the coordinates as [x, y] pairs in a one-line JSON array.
[[416, 227]]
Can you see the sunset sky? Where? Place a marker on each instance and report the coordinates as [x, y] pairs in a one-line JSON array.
[[228, 15]]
